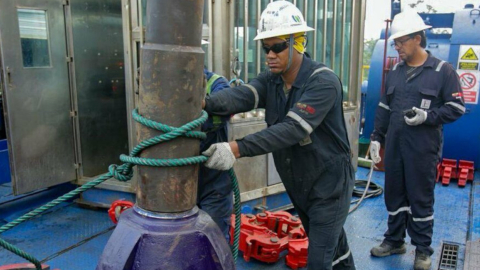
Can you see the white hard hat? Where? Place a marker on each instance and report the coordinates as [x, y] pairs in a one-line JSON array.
[[281, 18], [407, 22], [204, 42]]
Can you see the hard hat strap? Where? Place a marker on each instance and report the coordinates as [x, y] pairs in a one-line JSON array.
[[290, 52]]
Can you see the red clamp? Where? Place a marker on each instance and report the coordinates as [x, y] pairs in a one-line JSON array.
[[280, 222], [448, 170], [297, 253], [465, 172], [266, 235], [117, 208]]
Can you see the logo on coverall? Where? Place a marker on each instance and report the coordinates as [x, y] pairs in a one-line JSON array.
[[304, 108]]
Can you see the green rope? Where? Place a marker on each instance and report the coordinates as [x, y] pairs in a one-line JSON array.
[[124, 173], [236, 233]]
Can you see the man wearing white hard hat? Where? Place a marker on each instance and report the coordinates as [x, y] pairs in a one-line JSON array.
[[421, 94], [306, 133]]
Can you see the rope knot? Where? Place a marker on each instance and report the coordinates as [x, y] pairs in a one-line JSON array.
[[121, 173]]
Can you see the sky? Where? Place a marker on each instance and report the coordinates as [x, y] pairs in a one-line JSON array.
[[379, 10]]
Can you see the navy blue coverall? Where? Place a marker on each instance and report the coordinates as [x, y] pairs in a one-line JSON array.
[[214, 194], [308, 139], [412, 152]]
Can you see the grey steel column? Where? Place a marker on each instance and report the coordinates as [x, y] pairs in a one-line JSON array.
[[171, 90], [315, 33], [324, 37], [245, 42]]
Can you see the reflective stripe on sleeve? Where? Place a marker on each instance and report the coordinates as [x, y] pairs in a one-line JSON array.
[[440, 65], [320, 70], [456, 105], [385, 106], [255, 93], [300, 120]]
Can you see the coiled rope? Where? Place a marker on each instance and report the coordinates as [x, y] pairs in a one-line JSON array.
[[124, 173]]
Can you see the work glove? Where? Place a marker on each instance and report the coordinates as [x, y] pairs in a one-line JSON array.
[[375, 152], [220, 157], [418, 119]]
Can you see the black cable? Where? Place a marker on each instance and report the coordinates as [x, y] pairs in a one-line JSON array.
[[369, 189], [373, 189]]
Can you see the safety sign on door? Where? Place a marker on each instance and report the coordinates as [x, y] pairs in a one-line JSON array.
[[468, 57], [469, 81]]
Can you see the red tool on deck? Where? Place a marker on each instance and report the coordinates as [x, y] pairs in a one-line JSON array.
[[297, 253], [465, 172], [266, 235], [449, 170]]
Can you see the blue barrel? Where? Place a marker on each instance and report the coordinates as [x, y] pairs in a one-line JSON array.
[[462, 138]]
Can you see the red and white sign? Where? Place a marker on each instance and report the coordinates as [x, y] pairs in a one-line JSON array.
[[469, 81]]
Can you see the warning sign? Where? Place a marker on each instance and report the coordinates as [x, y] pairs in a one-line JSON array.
[[468, 57], [469, 82], [467, 66]]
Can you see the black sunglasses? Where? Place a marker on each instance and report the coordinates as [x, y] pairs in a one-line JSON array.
[[276, 48], [399, 43]]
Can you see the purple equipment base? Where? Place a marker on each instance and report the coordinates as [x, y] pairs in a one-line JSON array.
[[140, 242]]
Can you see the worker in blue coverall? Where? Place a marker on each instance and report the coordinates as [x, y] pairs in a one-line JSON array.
[[306, 133], [214, 187], [430, 89]]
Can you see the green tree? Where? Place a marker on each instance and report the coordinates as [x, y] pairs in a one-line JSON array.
[[368, 46]]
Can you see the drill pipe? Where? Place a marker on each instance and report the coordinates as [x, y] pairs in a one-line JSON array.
[[171, 91]]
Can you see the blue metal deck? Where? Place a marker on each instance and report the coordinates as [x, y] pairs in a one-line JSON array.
[[72, 238]]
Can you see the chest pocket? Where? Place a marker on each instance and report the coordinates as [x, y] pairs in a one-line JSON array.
[[390, 92], [431, 93], [428, 98]]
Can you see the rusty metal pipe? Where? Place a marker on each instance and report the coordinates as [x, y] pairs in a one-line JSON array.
[[171, 74], [384, 70]]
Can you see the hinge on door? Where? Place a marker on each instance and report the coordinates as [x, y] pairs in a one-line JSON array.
[[66, 2], [69, 59], [77, 166], [73, 113]]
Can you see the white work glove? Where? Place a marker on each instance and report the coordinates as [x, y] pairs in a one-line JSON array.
[[418, 119], [221, 157], [375, 152]]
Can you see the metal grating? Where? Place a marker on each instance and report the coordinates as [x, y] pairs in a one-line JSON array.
[[449, 257]]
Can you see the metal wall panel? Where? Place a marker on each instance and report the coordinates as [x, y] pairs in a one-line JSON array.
[[100, 82], [273, 176], [37, 95], [352, 118], [251, 171]]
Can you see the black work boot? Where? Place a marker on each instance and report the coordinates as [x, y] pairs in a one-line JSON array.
[[385, 249], [422, 261]]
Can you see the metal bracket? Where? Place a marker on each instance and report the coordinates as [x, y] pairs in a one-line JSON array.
[[66, 2], [69, 59], [9, 76]]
